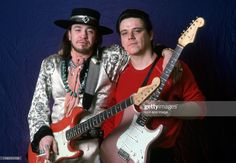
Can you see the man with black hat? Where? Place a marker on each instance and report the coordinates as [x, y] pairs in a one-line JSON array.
[[62, 77]]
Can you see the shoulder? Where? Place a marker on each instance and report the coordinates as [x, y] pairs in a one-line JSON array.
[[53, 58], [114, 55], [114, 59], [51, 62], [114, 51]]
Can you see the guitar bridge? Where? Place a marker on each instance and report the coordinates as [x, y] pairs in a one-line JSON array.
[[123, 154]]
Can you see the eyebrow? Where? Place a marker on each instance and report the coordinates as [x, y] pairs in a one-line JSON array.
[[80, 26], [142, 28]]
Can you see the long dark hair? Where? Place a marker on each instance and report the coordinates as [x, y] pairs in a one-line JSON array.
[[66, 45]]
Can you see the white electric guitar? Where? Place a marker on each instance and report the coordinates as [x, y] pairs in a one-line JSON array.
[[134, 142]]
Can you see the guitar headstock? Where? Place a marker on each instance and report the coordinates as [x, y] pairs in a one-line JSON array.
[[189, 35], [146, 91]]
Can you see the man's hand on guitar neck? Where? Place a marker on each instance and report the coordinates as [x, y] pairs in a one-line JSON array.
[[166, 53], [47, 145]]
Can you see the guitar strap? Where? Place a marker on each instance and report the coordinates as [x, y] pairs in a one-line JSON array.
[[92, 79], [142, 119], [149, 72]]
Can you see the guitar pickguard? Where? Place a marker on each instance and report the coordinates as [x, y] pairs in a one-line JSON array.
[[134, 143]]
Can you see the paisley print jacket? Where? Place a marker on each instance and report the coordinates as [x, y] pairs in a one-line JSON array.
[[48, 100]]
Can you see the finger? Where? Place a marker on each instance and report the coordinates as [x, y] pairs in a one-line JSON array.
[[47, 151], [54, 146], [41, 152]]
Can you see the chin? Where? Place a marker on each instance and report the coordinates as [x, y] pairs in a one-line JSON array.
[[132, 52]]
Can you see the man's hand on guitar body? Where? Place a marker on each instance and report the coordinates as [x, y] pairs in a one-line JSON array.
[[47, 145]]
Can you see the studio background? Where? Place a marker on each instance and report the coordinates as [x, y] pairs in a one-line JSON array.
[[28, 35]]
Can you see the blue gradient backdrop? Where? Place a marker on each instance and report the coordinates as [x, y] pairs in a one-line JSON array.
[[27, 35]]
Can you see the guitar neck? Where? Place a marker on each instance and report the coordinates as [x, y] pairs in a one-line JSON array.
[[187, 37], [81, 128], [142, 119], [167, 71]]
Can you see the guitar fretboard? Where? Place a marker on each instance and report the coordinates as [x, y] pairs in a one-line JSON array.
[[168, 69], [82, 127]]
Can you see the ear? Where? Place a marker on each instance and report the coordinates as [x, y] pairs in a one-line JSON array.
[[69, 35], [151, 35]]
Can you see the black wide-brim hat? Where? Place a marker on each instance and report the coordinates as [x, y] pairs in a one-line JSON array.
[[84, 16]]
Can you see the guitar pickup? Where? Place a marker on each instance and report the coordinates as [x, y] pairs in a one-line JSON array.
[[123, 154]]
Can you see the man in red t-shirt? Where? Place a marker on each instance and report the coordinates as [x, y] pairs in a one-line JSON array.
[[136, 34]]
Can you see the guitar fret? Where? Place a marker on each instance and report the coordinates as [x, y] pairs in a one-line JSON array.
[[123, 105], [114, 111], [105, 116], [163, 78], [101, 117], [82, 127], [130, 101], [75, 131], [78, 129], [118, 108], [98, 119], [158, 91], [109, 113], [68, 134], [168, 70], [171, 66], [90, 123], [72, 133], [94, 121], [85, 126]]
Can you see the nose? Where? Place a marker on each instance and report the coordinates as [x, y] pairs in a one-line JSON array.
[[131, 35], [84, 34]]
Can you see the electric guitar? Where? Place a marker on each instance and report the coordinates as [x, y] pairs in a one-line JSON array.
[[134, 142], [67, 130]]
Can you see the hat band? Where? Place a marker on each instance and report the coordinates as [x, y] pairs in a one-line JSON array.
[[84, 19]]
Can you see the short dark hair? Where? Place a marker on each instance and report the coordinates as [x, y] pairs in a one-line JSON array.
[[134, 13]]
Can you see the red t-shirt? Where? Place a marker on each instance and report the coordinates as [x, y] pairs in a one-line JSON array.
[[185, 90]]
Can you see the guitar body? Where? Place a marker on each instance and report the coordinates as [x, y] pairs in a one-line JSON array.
[[134, 143], [128, 147], [65, 147]]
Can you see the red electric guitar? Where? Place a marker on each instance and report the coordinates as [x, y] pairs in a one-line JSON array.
[[68, 130]]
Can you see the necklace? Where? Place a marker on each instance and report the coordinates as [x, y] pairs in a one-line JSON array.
[[64, 74]]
